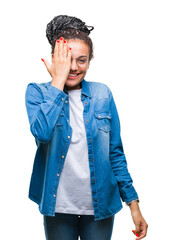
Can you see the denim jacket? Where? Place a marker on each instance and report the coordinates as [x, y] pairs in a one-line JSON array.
[[48, 113]]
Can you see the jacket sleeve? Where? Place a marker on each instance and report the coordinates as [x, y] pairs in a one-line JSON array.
[[43, 111], [117, 157]]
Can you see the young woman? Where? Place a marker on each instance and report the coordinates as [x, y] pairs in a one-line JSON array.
[[80, 171]]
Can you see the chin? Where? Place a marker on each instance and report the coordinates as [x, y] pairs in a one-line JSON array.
[[73, 85]]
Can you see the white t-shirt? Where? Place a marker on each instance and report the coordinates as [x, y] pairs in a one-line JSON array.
[[74, 193]]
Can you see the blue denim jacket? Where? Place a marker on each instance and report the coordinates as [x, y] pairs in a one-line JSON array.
[[48, 113]]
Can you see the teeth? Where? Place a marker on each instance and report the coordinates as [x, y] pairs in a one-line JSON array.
[[73, 75]]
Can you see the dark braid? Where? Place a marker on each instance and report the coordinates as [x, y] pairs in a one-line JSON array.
[[69, 28]]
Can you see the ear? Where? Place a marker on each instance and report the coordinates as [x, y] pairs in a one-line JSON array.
[[88, 64]]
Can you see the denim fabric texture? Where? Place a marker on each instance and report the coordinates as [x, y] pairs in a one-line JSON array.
[[48, 114], [71, 226]]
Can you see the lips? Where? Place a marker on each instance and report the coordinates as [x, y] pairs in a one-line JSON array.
[[73, 75]]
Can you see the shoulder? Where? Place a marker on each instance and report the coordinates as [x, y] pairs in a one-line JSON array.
[[99, 90], [38, 87]]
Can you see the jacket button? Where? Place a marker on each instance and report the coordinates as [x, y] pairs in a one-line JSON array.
[[62, 156], [89, 140], [68, 136], [86, 120], [66, 101], [91, 160], [57, 174], [95, 199], [62, 99], [54, 195], [93, 179], [86, 103]]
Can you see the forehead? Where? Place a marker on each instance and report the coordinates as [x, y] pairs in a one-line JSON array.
[[79, 47]]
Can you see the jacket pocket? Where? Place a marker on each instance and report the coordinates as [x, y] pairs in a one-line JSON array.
[[60, 120], [103, 120]]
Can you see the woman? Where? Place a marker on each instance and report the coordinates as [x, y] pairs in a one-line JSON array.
[[80, 171]]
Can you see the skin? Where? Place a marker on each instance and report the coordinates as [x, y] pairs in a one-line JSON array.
[[65, 61], [79, 63], [140, 223]]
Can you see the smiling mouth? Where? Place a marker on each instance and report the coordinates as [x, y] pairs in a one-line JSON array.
[[72, 75]]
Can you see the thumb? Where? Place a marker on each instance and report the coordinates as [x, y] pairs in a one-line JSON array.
[[47, 64], [138, 228]]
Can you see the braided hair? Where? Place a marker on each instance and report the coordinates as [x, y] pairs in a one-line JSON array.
[[69, 27]]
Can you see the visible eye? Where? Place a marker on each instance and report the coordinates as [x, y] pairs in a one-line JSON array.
[[81, 60]]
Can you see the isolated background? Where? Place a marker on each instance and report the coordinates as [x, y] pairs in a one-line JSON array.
[[134, 57]]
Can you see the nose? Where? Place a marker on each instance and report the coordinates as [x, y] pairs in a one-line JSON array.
[[74, 66]]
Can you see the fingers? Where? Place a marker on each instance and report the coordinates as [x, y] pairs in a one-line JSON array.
[[135, 233], [61, 48], [141, 233], [61, 59], [64, 53], [55, 53]]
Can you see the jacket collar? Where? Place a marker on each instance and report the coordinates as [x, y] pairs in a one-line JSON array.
[[85, 88]]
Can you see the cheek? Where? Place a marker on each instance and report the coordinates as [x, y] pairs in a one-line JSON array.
[[84, 69]]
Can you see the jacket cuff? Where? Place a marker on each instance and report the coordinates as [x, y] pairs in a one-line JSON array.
[[128, 194], [55, 95], [128, 203]]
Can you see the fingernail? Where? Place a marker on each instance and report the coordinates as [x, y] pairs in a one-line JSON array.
[[61, 38], [65, 41], [42, 59], [137, 235], [70, 48], [57, 41]]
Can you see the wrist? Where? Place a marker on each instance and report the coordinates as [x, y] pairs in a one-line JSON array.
[[57, 84], [134, 206]]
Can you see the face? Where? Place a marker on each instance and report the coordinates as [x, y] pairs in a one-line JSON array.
[[79, 63]]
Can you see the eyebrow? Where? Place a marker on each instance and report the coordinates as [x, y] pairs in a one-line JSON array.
[[82, 56]]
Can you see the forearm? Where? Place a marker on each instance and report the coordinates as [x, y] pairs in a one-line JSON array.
[[57, 84], [43, 111], [118, 159], [134, 206]]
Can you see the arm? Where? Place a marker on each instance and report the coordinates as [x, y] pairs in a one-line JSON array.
[[119, 166], [43, 111], [117, 157]]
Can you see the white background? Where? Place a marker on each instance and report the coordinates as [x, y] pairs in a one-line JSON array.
[[133, 47]]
